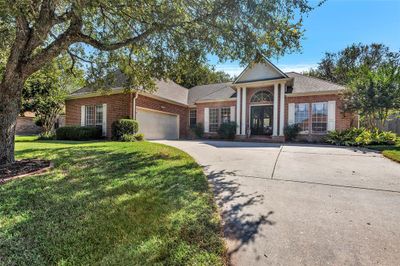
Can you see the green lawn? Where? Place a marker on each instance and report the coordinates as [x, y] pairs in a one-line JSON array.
[[109, 203], [391, 152]]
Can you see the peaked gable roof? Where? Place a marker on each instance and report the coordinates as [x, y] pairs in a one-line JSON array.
[[260, 70]]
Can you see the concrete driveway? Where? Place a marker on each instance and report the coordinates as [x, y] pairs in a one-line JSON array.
[[303, 204]]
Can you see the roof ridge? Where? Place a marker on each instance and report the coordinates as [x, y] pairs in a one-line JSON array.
[[230, 82]]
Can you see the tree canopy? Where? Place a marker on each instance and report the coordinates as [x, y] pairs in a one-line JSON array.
[[142, 38]]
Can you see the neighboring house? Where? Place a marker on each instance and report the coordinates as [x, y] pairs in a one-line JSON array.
[[262, 100]]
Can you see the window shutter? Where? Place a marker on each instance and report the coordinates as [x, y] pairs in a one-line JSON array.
[[232, 118], [291, 114], [82, 115], [206, 120], [331, 115], [104, 122]]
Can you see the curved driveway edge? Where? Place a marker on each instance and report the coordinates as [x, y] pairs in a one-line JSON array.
[[303, 204]]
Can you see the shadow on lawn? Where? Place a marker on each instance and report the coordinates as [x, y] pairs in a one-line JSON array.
[[102, 205], [240, 224]]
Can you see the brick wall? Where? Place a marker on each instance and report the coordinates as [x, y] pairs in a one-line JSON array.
[[118, 106], [26, 126], [200, 109], [182, 111], [343, 120]]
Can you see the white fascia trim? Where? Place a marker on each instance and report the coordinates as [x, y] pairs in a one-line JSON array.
[[312, 93], [219, 100]]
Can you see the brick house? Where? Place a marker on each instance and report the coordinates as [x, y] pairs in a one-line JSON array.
[[261, 101]]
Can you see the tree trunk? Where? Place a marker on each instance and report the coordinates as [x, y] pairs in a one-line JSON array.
[[10, 104]]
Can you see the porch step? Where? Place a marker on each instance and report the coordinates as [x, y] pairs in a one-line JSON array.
[[270, 139]]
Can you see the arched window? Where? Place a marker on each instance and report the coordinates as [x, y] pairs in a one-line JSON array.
[[262, 96]]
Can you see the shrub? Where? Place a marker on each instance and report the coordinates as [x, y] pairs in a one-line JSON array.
[[47, 136], [360, 136], [291, 131], [132, 137], [123, 127], [139, 137], [198, 130], [227, 130], [78, 133]]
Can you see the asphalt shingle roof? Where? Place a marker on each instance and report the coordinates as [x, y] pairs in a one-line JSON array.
[[216, 91], [169, 90], [307, 84]]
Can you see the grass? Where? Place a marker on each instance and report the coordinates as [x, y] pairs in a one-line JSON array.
[[109, 203], [391, 152]]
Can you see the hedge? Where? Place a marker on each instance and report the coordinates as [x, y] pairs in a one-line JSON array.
[[123, 127], [78, 133]]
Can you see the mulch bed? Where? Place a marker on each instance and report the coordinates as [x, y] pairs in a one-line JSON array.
[[22, 168]]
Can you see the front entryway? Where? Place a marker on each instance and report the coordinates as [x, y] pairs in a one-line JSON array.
[[261, 120]]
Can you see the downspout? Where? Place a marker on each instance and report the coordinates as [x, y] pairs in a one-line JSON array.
[[134, 106]]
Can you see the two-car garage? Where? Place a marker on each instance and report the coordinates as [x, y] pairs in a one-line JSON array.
[[157, 125]]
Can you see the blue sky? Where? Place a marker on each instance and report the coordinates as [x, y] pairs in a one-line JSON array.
[[332, 27]]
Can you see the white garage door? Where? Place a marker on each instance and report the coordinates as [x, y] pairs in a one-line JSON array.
[[156, 125]]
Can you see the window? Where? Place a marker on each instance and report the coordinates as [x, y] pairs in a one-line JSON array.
[[89, 115], [99, 115], [262, 96], [225, 115], [94, 115], [214, 119], [192, 118], [301, 116], [319, 117]]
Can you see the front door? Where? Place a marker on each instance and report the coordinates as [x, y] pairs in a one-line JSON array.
[[261, 120]]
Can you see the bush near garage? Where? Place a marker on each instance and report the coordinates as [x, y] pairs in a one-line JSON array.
[[123, 127], [227, 130], [132, 137], [361, 137], [78, 133]]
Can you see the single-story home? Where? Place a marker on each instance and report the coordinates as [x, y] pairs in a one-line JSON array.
[[261, 101]]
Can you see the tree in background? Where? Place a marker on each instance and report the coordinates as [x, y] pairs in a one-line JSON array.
[[142, 37], [344, 66], [374, 93], [44, 92], [371, 75]]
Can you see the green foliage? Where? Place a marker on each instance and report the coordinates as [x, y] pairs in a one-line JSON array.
[[360, 136], [123, 127], [372, 76], [78, 133], [139, 136], [109, 203], [132, 137], [227, 130], [375, 93], [45, 91], [189, 72], [47, 136], [198, 130], [291, 131]]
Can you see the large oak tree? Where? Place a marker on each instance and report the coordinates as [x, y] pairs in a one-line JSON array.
[[142, 37]]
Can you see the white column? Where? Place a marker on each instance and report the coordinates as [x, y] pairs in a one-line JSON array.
[[244, 111], [275, 122], [282, 112], [238, 111]]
